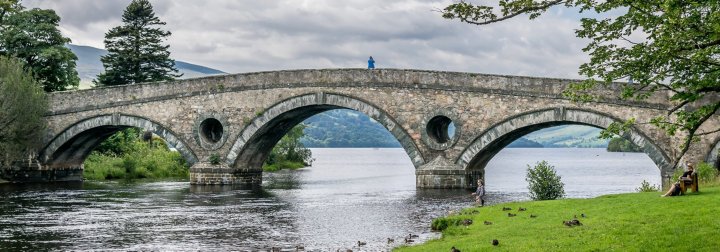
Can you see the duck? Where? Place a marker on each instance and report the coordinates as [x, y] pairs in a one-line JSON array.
[[360, 244], [407, 240], [299, 247], [506, 209], [495, 242], [413, 236], [467, 222], [453, 249], [533, 216], [582, 215], [521, 209], [275, 249], [487, 223], [511, 215], [390, 240]]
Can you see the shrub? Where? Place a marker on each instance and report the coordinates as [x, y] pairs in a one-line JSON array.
[[706, 172], [214, 159], [543, 182], [647, 187]]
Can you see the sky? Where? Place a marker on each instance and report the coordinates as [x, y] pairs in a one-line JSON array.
[[237, 36]]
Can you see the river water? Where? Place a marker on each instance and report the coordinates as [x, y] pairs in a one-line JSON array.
[[348, 195]]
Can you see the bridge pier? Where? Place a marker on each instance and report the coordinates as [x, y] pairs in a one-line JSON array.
[[441, 174], [205, 173]]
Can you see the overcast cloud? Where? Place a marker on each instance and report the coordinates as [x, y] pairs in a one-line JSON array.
[[243, 36]]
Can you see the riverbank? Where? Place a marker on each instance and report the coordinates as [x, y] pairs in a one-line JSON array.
[[622, 222]]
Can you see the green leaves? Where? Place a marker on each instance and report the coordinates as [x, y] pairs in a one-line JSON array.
[[665, 48], [22, 106], [543, 182], [135, 50], [33, 37]]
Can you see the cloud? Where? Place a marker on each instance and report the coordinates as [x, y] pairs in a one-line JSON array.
[[242, 36]]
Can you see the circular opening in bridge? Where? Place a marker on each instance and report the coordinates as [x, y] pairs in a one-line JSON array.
[[441, 129], [212, 130]]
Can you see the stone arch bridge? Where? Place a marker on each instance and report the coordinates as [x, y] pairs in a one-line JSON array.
[[238, 119]]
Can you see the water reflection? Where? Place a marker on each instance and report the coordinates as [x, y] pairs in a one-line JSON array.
[[348, 195]]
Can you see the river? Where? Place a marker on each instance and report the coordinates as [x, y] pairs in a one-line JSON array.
[[348, 195]]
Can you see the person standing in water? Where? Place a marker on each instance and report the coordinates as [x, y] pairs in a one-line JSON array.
[[480, 193], [371, 63]]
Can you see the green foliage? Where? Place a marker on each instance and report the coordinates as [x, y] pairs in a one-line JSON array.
[[135, 53], [214, 159], [619, 144], [543, 182], [662, 46], [33, 37], [22, 106], [706, 173], [442, 223], [137, 159], [647, 187], [289, 152], [624, 222]]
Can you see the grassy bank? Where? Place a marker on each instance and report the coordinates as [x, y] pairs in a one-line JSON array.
[[285, 164], [624, 222]]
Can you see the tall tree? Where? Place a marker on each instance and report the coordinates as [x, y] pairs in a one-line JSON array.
[[33, 36], [668, 46], [135, 50], [22, 105]]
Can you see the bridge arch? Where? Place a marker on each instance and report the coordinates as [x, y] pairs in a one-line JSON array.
[[494, 139], [73, 144], [713, 157], [257, 139]]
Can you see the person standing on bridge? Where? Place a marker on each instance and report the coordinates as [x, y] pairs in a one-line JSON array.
[[371, 63]]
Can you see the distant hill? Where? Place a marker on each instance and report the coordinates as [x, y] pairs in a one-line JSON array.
[[348, 128], [344, 128], [89, 65]]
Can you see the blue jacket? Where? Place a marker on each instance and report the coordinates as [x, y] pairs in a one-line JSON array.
[[371, 63]]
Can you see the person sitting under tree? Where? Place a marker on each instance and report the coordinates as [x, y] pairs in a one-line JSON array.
[[685, 178]]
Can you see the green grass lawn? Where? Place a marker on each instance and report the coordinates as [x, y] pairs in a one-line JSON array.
[[624, 222]]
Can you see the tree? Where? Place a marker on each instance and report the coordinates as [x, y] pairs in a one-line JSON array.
[[289, 152], [33, 36], [678, 52], [544, 183], [135, 50], [22, 106]]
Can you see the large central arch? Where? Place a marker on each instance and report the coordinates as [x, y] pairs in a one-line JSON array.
[[490, 142], [73, 144], [258, 138]]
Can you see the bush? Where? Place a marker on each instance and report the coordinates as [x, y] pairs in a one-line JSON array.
[[646, 187], [139, 160], [214, 159], [706, 172], [544, 183]]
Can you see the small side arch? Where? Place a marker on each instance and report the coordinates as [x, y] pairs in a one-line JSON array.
[[257, 139], [73, 144], [494, 139]]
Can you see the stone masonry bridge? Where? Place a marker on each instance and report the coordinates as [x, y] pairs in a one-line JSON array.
[[239, 118]]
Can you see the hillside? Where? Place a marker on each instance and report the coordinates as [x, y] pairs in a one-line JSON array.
[[89, 65], [348, 128]]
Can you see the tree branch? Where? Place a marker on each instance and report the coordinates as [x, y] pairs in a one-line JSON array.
[[521, 11]]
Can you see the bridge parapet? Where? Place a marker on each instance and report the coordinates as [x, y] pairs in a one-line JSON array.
[[91, 99]]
